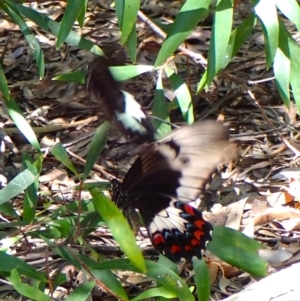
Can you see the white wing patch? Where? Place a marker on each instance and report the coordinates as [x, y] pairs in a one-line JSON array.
[[168, 218], [133, 115]]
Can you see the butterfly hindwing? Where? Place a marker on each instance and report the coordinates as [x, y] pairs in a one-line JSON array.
[[179, 231], [116, 104]]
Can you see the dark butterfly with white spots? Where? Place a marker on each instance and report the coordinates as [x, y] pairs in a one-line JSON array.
[[118, 105], [168, 175]]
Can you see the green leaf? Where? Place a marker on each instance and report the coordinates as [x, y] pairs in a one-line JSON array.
[[118, 225], [170, 280], [74, 77], [295, 67], [26, 290], [60, 279], [72, 12], [8, 263], [290, 8], [219, 39], [82, 292], [53, 27], [238, 38], [31, 193], [126, 12], [161, 273], [290, 57], [95, 147], [165, 261], [191, 13], [126, 72], [183, 95], [81, 16], [267, 13], [131, 44], [59, 152], [105, 276], [160, 109], [155, 292], [8, 209], [18, 184], [238, 250], [67, 254], [202, 279], [12, 11], [102, 185], [111, 282], [3, 84], [282, 68], [49, 233], [21, 123]]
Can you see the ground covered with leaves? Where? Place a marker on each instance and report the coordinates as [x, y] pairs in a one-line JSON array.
[[53, 224]]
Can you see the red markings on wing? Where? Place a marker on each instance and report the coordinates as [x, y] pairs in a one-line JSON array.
[[175, 249], [198, 234], [199, 223], [158, 239], [189, 209]]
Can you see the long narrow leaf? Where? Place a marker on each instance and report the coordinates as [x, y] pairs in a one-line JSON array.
[[21, 123], [202, 279], [25, 290], [51, 26], [290, 8], [96, 147], [183, 95], [192, 12], [219, 39], [119, 226], [72, 12], [81, 292], [160, 108], [238, 250], [127, 12], [60, 153], [34, 45], [18, 184], [3, 84], [270, 27], [8, 263]]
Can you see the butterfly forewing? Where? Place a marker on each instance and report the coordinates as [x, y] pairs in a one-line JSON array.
[[116, 104], [180, 164], [165, 177]]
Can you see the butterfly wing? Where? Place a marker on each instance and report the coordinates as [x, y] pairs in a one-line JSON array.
[[166, 176], [116, 104], [179, 231], [180, 164]]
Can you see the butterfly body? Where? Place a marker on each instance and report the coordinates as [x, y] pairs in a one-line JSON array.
[[162, 181]]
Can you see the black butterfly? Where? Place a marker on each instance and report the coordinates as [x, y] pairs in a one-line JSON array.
[[165, 177], [116, 104]]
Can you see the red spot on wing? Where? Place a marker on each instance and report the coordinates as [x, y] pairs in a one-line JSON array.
[[175, 249], [158, 239], [188, 248], [195, 242], [198, 234], [189, 209], [199, 223]]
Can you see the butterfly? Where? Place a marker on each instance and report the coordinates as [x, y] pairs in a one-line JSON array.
[[167, 175], [118, 105]]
